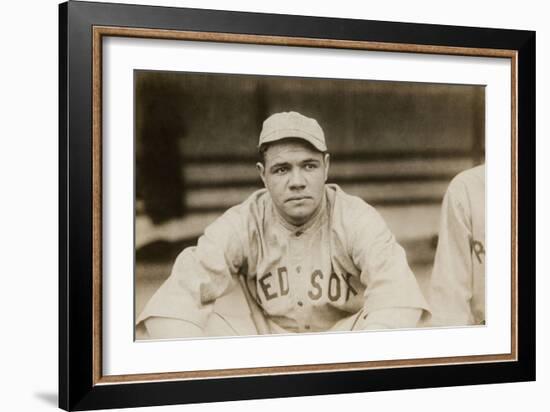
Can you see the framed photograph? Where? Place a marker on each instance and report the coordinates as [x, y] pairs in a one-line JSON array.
[[257, 205]]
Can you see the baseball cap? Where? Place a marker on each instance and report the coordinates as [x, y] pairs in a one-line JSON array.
[[292, 124]]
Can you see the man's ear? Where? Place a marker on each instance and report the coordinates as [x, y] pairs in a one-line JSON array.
[[261, 170], [327, 163]]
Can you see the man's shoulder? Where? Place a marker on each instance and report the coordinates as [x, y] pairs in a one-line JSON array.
[[347, 207], [468, 181], [354, 220], [252, 207], [242, 217], [473, 174], [339, 198]]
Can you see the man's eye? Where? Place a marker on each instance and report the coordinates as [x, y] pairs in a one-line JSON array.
[[311, 166], [280, 170]]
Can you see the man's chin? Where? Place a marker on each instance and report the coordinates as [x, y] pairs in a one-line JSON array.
[[298, 219]]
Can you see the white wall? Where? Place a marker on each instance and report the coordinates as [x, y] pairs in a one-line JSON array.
[[28, 218]]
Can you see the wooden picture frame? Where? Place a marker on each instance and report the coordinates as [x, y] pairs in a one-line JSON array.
[[82, 382]]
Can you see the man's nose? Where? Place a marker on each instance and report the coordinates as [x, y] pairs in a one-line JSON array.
[[297, 180]]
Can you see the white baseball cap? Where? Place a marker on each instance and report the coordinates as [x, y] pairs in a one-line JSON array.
[[292, 124]]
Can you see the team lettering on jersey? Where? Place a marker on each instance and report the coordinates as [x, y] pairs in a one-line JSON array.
[[276, 285], [477, 249]]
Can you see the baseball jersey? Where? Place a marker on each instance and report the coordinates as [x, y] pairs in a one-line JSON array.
[[344, 260], [457, 292]]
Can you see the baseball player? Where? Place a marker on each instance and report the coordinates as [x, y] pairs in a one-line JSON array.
[[301, 254], [457, 288]]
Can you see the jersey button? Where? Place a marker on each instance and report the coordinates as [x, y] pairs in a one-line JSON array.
[[298, 269], [307, 327], [300, 303], [299, 233]]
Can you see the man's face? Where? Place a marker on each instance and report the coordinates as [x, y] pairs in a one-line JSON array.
[[295, 173]]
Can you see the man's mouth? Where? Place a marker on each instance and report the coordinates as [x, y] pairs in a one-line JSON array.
[[297, 198]]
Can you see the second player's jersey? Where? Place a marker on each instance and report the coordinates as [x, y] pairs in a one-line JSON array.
[[457, 292], [305, 279]]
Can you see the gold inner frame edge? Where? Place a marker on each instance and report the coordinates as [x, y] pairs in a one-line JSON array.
[[101, 31]]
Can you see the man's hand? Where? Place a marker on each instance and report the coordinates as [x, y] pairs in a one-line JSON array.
[[169, 328]]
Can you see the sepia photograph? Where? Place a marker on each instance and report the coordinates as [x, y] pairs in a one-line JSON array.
[[280, 205]]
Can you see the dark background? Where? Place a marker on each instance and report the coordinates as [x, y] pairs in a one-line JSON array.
[[395, 144]]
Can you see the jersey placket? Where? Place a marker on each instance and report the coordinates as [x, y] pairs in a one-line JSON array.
[[299, 261]]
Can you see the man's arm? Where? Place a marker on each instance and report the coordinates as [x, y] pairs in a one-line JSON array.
[[451, 281], [392, 296], [183, 303]]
